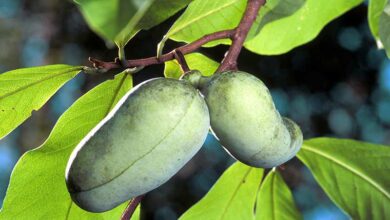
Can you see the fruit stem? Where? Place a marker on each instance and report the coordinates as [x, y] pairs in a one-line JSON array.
[[181, 60], [131, 207]]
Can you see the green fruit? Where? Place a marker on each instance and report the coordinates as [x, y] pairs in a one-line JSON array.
[[244, 119], [150, 134]]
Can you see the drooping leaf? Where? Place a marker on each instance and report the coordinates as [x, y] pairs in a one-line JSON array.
[[37, 187], [25, 90], [119, 20], [281, 35], [354, 174], [232, 196], [196, 61], [375, 9], [275, 201], [160, 11], [110, 18], [384, 29]]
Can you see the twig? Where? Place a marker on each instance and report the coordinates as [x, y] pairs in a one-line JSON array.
[[181, 60], [131, 207], [237, 35], [188, 48], [104, 65], [241, 32]]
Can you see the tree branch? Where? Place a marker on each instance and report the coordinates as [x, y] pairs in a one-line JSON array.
[[241, 32], [237, 35], [186, 49], [131, 207]]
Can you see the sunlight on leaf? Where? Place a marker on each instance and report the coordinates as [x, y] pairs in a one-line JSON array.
[[25, 90], [298, 28], [232, 197], [275, 200], [294, 22], [205, 17], [354, 174]]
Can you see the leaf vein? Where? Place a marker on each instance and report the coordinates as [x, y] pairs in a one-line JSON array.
[[351, 169], [37, 82], [235, 192]]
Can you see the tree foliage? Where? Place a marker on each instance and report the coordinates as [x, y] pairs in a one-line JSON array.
[[353, 174]]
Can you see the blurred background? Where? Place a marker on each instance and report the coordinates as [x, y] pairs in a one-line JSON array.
[[337, 85]]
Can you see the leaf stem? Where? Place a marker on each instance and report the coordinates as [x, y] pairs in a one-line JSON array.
[[182, 61], [121, 54]]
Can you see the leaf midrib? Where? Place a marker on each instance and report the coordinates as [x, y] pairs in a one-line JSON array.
[[235, 192], [37, 82], [116, 93], [273, 202], [68, 211], [351, 169]]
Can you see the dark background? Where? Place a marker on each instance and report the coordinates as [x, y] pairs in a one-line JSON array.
[[337, 85]]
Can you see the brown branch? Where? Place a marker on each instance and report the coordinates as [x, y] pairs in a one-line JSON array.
[[237, 35], [131, 207], [186, 49], [241, 32]]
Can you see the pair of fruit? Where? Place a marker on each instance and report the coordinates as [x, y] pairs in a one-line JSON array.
[[159, 125]]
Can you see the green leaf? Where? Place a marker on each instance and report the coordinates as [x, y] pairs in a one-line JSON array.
[[375, 9], [119, 20], [275, 200], [281, 35], [232, 197], [205, 17], [137, 213], [160, 11], [384, 29], [272, 11], [25, 90], [114, 20], [354, 174], [202, 18], [196, 61], [37, 187], [294, 22]]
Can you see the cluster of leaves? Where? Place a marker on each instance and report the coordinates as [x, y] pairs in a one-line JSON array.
[[353, 174]]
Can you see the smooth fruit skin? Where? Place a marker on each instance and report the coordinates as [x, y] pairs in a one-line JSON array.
[[246, 122], [152, 132]]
